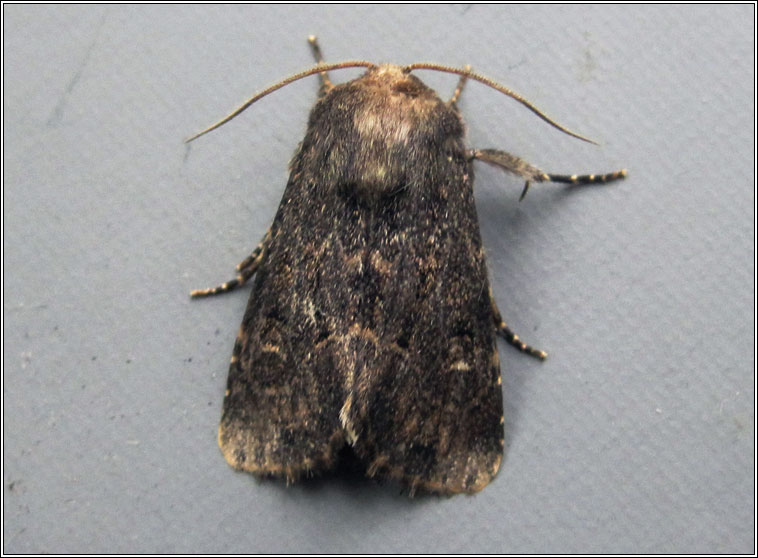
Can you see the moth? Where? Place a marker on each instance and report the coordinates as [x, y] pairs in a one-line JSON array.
[[371, 322]]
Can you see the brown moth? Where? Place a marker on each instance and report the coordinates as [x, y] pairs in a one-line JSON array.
[[371, 322]]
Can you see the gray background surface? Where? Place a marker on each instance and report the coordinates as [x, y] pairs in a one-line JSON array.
[[636, 435]]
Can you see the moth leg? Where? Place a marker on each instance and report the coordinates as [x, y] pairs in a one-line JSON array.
[[246, 269], [326, 84], [459, 88], [509, 335], [511, 163]]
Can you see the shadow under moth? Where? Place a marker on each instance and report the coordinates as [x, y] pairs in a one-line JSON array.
[[371, 322]]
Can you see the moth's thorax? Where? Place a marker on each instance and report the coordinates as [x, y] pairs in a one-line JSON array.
[[372, 131], [395, 104]]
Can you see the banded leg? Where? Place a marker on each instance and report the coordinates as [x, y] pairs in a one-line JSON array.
[[511, 163], [457, 93], [326, 84], [510, 336], [246, 269]]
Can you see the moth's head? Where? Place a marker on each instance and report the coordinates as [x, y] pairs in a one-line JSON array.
[[386, 106], [396, 81]]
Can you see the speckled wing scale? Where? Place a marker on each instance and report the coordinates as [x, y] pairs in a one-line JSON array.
[[370, 321]]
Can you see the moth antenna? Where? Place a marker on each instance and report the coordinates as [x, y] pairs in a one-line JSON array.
[[494, 85], [319, 68]]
